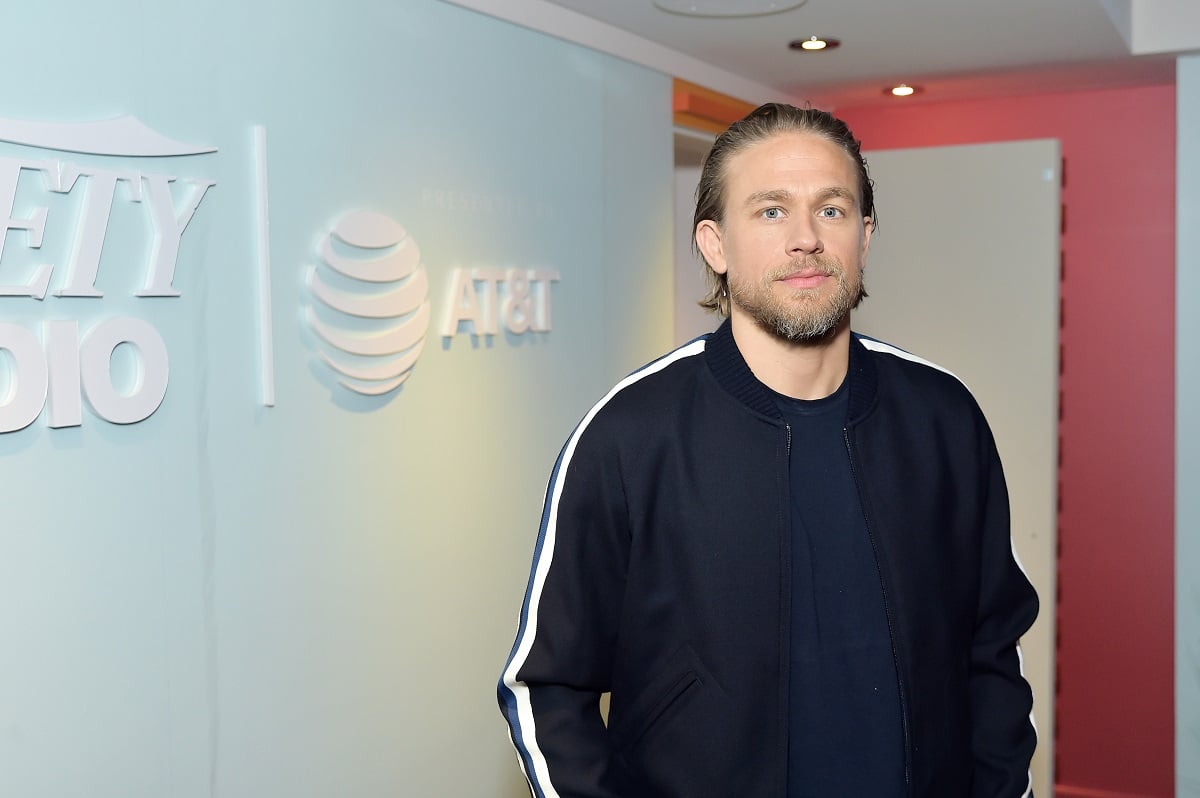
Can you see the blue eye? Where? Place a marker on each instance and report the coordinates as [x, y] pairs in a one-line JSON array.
[[830, 212], [772, 213]]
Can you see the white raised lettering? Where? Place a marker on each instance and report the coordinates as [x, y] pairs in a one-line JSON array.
[[518, 308], [541, 279], [61, 339], [34, 227], [150, 385], [491, 298], [461, 304], [27, 380], [92, 226], [168, 229]]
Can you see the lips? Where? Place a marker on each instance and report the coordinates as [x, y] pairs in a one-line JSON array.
[[806, 274], [802, 280], [808, 271]]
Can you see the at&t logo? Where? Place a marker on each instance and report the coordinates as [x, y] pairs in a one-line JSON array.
[[372, 286]]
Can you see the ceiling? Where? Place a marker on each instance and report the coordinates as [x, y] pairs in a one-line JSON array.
[[953, 49]]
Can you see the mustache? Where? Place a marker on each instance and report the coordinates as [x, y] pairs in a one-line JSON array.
[[822, 264]]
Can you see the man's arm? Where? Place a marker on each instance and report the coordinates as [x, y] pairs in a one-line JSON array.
[[561, 661], [1003, 734]]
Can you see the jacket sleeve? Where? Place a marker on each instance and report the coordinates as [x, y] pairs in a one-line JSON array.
[[561, 662], [1003, 731]]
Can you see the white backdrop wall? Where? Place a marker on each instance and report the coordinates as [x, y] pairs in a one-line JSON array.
[[316, 598]]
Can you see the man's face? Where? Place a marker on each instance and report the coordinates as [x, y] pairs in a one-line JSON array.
[[794, 240]]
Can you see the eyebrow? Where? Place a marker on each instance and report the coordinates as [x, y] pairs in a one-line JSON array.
[[773, 195], [837, 192], [783, 195]]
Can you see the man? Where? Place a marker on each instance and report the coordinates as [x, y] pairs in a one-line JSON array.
[[783, 548]]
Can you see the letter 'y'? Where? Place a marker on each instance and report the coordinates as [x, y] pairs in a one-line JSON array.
[[168, 230]]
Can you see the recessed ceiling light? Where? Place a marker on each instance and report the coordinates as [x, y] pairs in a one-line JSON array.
[[814, 43], [727, 8], [902, 90]]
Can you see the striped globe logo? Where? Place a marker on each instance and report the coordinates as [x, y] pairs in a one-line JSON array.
[[371, 302]]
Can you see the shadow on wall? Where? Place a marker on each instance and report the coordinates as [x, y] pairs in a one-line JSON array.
[[516, 791]]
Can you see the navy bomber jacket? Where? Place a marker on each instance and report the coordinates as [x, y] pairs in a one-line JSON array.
[[661, 575]]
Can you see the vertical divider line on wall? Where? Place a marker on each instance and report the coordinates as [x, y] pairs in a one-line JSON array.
[[1058, 498], [262, 219]]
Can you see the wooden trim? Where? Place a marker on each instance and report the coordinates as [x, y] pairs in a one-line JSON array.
[[1063, 791], [698, 108]]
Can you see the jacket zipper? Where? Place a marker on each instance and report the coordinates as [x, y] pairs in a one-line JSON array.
[[786, 659], [887, 609]]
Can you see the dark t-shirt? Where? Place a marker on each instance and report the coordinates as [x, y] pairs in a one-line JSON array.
[[846, 737]]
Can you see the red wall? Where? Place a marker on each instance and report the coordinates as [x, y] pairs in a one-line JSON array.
[[1115, 701]]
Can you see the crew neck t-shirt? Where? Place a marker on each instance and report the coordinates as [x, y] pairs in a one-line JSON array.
[[846, 735]]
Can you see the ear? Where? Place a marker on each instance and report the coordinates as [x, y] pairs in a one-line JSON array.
[[708, 239], [868, 229]]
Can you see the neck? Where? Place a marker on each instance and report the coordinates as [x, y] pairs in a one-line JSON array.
[[810, 370]]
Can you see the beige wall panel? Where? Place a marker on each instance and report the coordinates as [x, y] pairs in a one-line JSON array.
[[964, 271]]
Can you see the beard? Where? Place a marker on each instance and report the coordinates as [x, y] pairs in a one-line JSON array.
[[805, 315]]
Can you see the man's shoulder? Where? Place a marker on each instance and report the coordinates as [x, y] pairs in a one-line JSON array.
[[646, 404], [905, 370], [661, 378], [903, 358]]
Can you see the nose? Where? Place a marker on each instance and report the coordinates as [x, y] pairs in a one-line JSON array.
[[803, 238]]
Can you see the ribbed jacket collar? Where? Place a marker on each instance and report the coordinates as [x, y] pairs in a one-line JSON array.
[[734, 375]]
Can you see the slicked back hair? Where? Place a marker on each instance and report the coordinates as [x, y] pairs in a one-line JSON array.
[[762, 123]]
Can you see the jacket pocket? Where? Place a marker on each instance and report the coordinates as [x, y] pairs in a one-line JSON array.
[[678, 683], [670, 741], [670, 698]]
